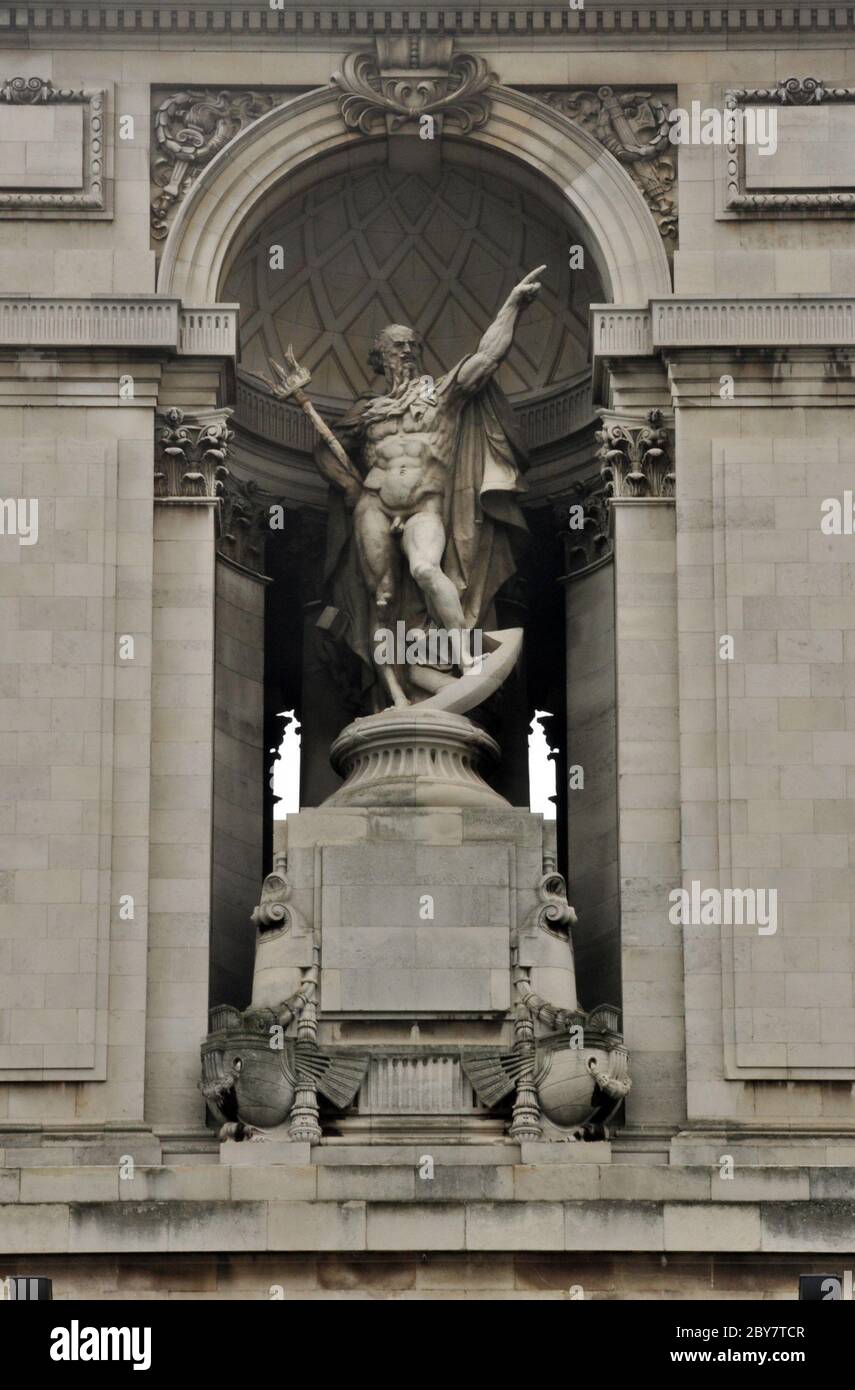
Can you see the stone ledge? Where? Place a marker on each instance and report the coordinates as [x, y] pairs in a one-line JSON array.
[[176, 1226], [131, 321], [349, 1154], [399, 1181], [773, 321]]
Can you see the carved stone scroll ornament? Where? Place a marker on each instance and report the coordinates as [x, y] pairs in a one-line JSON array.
[[635, 128], [32, 91], [191, 452], [191, 127], [804, 91], [635, 458], [274, 910], [553, 913], [404, 81]]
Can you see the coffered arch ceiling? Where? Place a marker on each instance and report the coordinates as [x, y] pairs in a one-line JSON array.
[[375, 246]]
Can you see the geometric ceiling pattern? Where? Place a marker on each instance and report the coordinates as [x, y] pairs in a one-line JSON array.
[[380, 247]]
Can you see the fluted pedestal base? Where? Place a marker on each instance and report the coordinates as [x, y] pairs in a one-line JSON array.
[[404, 757]]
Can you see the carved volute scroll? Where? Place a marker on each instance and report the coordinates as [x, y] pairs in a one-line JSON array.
[[406, 79]]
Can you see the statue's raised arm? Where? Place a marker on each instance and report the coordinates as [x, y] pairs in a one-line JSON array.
[[494, 345]]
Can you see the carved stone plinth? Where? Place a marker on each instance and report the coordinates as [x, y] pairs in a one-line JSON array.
[[415, 981], [412, 757]]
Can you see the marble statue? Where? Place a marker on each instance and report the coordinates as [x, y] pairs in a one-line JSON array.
[[424, 516]]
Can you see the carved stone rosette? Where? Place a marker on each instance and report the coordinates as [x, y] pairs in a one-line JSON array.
[[409, 78], [635, 457], [190, 453], [635, 128]]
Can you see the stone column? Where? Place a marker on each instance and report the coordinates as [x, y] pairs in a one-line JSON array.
[[325, 685], [239, 749], [636, 467], [591, 779], [189, 461]]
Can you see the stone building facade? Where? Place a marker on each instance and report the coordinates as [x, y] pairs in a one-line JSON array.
[[186, 190]]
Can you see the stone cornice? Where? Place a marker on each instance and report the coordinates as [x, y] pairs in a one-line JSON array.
[[609, 23], [129, 322], [685, 322]]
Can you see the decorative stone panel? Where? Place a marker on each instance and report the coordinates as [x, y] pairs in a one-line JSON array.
[[55, 144], [812, 168], [417, 1084]]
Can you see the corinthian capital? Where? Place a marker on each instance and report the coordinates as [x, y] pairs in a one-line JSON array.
[[191, 449], [635, 456]]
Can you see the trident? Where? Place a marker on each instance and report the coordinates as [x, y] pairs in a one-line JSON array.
[[291, 386]]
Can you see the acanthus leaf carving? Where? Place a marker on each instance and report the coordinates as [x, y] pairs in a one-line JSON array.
[[191, 452], [635, 457], [453, 92]]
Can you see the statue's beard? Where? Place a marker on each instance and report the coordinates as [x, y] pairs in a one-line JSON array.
[[402, 374]]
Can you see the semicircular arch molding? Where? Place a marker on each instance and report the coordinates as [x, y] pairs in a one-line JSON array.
[[242, 185]]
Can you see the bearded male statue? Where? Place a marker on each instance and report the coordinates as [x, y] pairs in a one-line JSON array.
[[424, 524]]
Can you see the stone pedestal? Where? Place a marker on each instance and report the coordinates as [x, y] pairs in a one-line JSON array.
[[414, 980]]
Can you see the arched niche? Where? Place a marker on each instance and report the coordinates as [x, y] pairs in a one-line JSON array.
[[239, 188], [293, 146]]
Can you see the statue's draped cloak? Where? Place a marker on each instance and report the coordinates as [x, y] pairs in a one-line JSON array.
[[483, 520]]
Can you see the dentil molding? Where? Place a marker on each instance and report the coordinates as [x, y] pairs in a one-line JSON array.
[[609, 23]]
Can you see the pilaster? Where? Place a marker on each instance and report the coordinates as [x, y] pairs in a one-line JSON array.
[[189, 468], [636, 465]]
